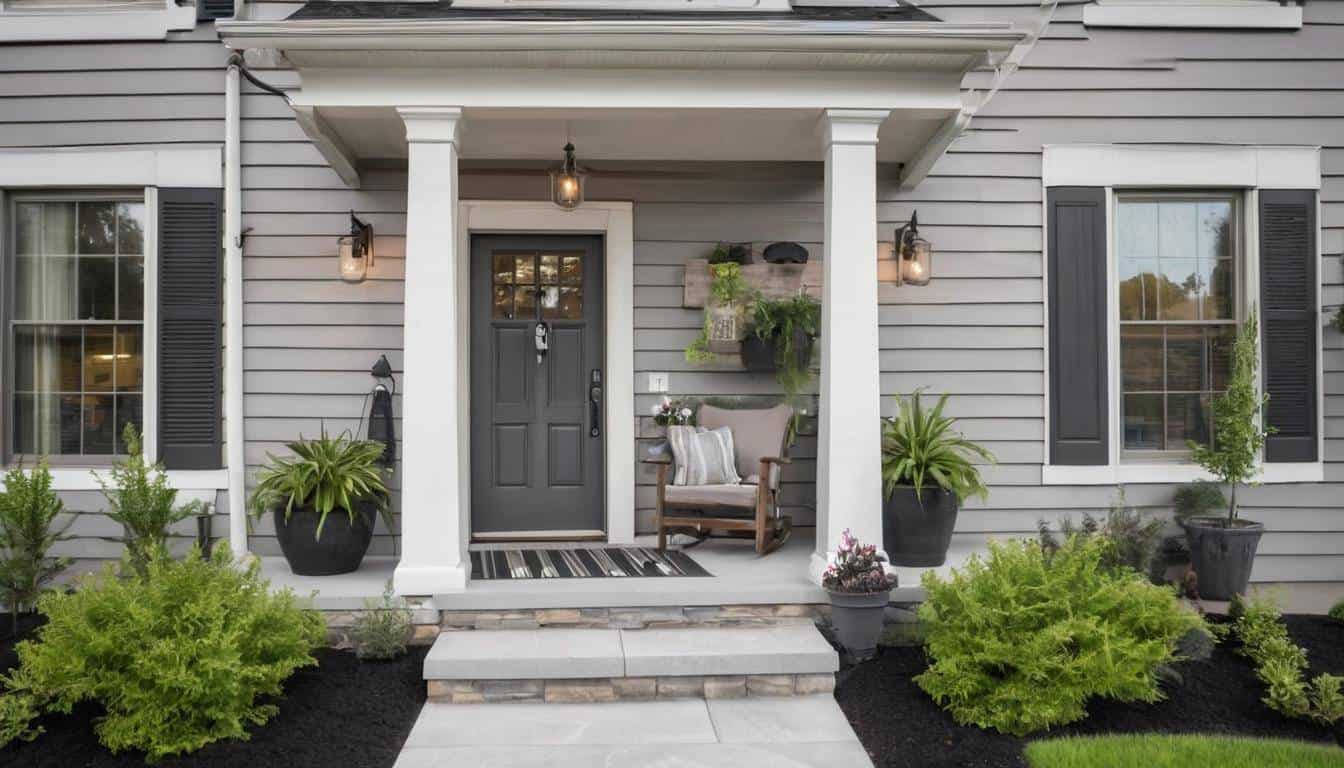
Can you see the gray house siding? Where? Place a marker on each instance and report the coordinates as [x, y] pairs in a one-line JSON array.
[[976, 332]]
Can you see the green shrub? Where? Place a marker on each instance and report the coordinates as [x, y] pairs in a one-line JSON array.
[[178, 658], [28, 530], [141, 500], [1019, 641], [1280, 664], [1337, 611], [1130, 539], [381, 631], [1199, 499]]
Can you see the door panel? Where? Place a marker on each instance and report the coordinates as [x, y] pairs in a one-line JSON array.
[[532, 416]]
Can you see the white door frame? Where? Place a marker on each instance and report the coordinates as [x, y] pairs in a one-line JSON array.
[[615, 222]]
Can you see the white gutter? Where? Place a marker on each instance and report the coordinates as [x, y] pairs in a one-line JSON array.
[[233, 314]]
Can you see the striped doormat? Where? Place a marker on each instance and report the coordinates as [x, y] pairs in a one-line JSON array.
[[581, 563]]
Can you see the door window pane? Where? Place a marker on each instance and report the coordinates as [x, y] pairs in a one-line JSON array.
[[1176, 262], [76, 333]]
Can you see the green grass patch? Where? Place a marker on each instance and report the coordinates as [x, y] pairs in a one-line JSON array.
[[1164, 751]]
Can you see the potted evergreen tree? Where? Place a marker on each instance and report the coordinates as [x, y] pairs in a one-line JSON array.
[[1222, 548], [328, 475], [927, 472], [860, 590]]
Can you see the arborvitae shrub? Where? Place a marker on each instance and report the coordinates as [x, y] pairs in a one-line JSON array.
[[1020, 641], [179, 657]]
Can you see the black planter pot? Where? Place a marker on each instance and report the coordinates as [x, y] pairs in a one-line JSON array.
[[341, 548], [1222, 557], [762, 355], [915, 533], [857, 618]]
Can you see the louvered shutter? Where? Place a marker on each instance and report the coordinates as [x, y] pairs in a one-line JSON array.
[[208, 10], [1289, 322], [190, 319], [1076, 221]]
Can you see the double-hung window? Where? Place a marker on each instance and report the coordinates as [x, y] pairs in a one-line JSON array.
[[1177, 262], [76, 323]]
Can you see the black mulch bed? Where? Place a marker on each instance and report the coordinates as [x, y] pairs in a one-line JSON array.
[[343, 712], [901, 726]]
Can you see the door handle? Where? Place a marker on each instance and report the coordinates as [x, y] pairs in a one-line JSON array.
[[595, 404]]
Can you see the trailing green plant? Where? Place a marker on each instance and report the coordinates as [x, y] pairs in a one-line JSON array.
[[1130, 539], [1238, 434], [141, 500], [194, 652], [381, 631], [29, 509], [726, 288], [920, 449], [787, 322], [1281, 664], [1337, 611], [1198, 499], [327, 474], [1019, 642]]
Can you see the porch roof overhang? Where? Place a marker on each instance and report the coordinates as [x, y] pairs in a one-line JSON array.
[[669, 86]]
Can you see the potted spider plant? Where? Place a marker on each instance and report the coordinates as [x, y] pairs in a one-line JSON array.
[[860, 589], [927, 472], [783, 333], [1223, 547], [324, 500]]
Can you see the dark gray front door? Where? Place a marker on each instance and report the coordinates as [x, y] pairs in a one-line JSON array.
[[536, 417]]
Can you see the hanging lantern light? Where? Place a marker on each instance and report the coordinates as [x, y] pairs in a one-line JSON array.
[[567, 182], [914, 255], [356, 251]]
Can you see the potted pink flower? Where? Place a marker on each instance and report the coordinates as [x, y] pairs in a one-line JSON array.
[[860, 589]]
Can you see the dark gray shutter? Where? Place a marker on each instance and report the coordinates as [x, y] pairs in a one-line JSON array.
[[1289, 321], [1076, 223], [190, 308], [209, 10]]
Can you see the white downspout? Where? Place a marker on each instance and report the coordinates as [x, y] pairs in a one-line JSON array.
[[233, 313]]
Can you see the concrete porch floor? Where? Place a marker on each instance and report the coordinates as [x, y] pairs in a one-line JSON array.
[[739, 578]]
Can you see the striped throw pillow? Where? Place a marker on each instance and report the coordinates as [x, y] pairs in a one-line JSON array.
[[702, 456]]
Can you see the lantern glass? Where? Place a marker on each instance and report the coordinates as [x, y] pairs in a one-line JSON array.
[[567, 188], [354, 262], [917, 262]]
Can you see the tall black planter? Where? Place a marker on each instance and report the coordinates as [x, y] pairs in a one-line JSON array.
[[341, 548], [1222, 557], [915, 533]]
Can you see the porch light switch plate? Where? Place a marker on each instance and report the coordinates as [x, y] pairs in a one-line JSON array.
[[658, 382]]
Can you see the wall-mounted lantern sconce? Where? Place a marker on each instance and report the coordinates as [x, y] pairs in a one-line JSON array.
[[356, 251], [567, 182], [914, 255]]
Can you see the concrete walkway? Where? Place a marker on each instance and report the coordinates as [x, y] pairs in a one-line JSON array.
[[786, 732]]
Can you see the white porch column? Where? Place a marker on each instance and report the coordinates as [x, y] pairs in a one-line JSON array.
[[433, 518], [849, 467]]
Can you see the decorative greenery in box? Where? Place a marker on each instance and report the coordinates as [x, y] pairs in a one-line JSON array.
[[190, 652], [1019, 642], [1280, 664], [856, 568], [28, 530], [791, 325], [728, 291], [920, 449], [141, 500], [328, 474]]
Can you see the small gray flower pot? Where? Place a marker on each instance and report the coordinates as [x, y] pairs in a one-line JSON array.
[[857, 618]]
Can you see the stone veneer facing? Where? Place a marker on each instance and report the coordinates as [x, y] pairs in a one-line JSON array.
[[629, 688]]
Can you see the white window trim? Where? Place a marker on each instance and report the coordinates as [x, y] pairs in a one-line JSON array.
[[147, 169], [83, 24], [1193, 14], [1246, 168]]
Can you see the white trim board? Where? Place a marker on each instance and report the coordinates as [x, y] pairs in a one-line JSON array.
[[615, 222], [1193, 14], [84, 24], [82, 479], [1181, 165], [84, 168]]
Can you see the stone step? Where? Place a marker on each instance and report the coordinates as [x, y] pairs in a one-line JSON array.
[[610, 664]]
